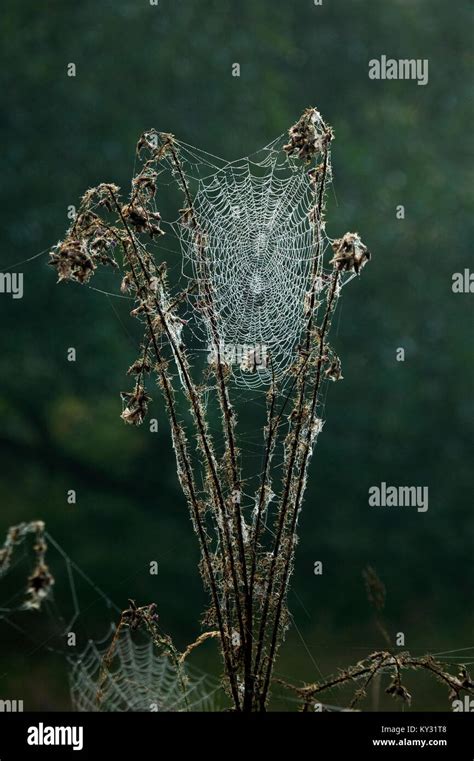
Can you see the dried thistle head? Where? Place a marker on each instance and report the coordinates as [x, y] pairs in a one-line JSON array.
[[145, 182], [156, 143], [89, 242], [16, 535], [142, 220], [136, 405], [309, 136], [350, 254], [72, 261], [148, 140], [40, 583], [397, 690]]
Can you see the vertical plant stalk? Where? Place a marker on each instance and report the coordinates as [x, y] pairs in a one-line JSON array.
[[134, 618], [294, 434], [178, 436], [350, 255], [301, 478], [271, 429], [228, 427], [269, 447]]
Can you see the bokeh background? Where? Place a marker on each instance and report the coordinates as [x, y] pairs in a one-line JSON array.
[[169, 66]]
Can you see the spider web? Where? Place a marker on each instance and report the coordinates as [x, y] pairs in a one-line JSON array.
[[140, 679], [260, 250]]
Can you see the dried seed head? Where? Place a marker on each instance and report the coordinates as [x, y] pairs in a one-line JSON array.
[[145, 182], [147, 140], [397, 689], [350, 254], [136, 406], [87, 245], [72, 261], [142, 220], [309, 136], [40, 584]]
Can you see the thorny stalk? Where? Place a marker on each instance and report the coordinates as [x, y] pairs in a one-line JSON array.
[[376, 665], [179, 437], [306, 446], [228, 419], [40, 581], [246, 567], [134, 618], [384, 662], [321, 134]]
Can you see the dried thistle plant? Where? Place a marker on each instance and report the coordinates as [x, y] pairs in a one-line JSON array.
[[246, 559], [40, 581], [393, 664], [385, 662]]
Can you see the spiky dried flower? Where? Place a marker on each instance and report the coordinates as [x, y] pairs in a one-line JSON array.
[[40, 583], [15, 536], [145, 182], [143, 220], [350, 254], [136, 405], [397, 690], [72, 261], [309, 136], [41, 580]]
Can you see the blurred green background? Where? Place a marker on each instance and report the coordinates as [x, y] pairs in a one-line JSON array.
[[169, 66]]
